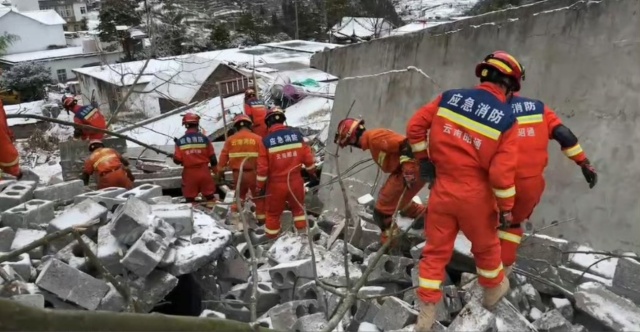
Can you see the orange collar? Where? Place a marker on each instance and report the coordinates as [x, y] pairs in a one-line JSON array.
[[494, 89]]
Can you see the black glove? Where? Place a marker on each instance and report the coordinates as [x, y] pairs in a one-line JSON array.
[[427, 171], [589, 173], [176, 141], [261, 192], [506, 218]]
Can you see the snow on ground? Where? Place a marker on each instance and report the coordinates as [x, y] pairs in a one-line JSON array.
[[608, 309], [416, 9], [604, 268]]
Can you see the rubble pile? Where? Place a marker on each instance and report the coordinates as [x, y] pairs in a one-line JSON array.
[[147, 241]]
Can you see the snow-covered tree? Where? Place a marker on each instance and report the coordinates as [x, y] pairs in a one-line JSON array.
[[29, 79], [219, 37], [114, 13], [6, 40]]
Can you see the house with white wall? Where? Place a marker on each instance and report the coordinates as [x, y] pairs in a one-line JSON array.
[[23, 5], [72, 11]]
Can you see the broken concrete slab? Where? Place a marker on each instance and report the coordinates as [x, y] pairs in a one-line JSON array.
[[105, 197], [289, 247], [112, 301], [7, 234], [267, 297], [310, 323], [180, 216], [625, 279], [5, 183], [72, 285], [145, 254], [552, 321], [474, 317], [564, 307], [24, 237], [286, 275], [284, 316], [613, 311], [80, 214], [60, 192], [21, 265], [600, 265], [74, 255], [164, 229], [34, 214], [193, 257], [130, 220], [144, 192], [110, 250], [508, 318], [30, 300], [544, 248], [391, 269], [232, 266], [16, 193], [395, 314], [152, 289]]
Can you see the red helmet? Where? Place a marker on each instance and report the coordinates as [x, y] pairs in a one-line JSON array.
[[240, 119], [275, 115], [190, 118], [504, 63], [346, 132], [68, 102], [94, 144], [250, 93]]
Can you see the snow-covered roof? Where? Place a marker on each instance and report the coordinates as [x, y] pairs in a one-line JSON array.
[[416, 26], [155, 133], [183, 79], [310, 112], [363, 27], [303, 45], [66, 52], [47, 17], [124, 74], [34, 107]]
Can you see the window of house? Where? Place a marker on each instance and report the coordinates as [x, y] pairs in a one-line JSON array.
[[83, 10], [62, 75]]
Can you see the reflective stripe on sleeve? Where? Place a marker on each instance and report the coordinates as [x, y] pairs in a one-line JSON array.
[[261, 178], [272, 231], [243, 154], [572, 151], [299, 218], [404, 159], [103, 159], [381, 157], [429, 283], [509, 237], [286, 147], [529, 119], [463, 121], [505, 193], [489, 274], [193, 146], [420, 146], [11, 163]]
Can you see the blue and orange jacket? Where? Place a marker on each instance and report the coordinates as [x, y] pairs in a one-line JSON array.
[[194, 150], [239, 146], [536, 123], [89, 116], [473, 139], [282, 151], [257, 111]]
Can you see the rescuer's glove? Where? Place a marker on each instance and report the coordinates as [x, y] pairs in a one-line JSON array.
[[260, 192], [506, 218], [176, 141], [409, 174], [427, 171], [589, 173]]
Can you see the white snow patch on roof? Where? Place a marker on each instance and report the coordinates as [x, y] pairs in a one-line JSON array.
[[40, 55], [303, 45], [34, 107], [311, 112], [46, 17], [124, 74], [605, 267]]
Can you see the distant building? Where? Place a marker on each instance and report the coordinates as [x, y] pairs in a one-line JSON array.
[[72, 11], [22, 5], [357, 29]]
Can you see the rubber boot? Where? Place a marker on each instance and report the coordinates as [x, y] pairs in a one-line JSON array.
[[508, 270], [426, 317], [492, 296]]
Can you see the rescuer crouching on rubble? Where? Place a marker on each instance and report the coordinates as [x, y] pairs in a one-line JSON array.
[[281, 156], [244, 144], [111, 168], [87, 115], [392, 153], [195, 153], [9, 157]]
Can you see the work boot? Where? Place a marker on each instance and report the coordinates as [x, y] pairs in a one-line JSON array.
[[492, 296], [508, 270], [426, 317]]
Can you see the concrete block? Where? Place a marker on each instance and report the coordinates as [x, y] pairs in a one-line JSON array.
[[288, 248], [267, 296], [145, 254], [367, 311], [144, 192], [367, 327], [169, 257], [284, 316], [545, 270], [451, 298], [233, 267], [220, 211], [60, 192], [105, 196], [21, 265], [74, 255], [416, 251], [212, 314], [79, 214], [625, 280], [235, 311], [110, 250], [391, 269], [613, 311], [474, 317], [130, 220], [5, 183], [152, 289], [564, 307], [26, 236], [180, 216], [34, 214], [338, 247], [193, 257], [7, 234], [286, 221], [53, 301], [552, 321], [162, 200], [164, 229], [30, 300], [9, 271], [112, 301], [366, 199], [286, 275], [395, 314], [466, 278], [310, 323], [508, 318], [72, 285], [367, 237], [16, 193], [545, 248]]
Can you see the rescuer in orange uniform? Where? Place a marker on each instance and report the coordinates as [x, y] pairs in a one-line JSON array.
[[9, 157], [243, 144], [112, 169], [195, 153], [392, 153], [85, 115], [537, 124], [471, 159], [282, 154], [256, 110]]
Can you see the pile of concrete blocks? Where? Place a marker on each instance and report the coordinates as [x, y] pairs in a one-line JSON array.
[[143, 241]]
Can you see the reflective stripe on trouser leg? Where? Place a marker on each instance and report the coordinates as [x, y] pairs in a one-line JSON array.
[[300, 222], [509, 243], [441, 235]]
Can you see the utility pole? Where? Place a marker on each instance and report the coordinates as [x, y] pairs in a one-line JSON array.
[[295, 5]]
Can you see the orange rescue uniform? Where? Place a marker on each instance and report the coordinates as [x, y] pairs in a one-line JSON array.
[[385, 146], [536, 123], [472, 135], [241, 145], [110, 167], [282, 154], [257, 111], [195, 152], [9, 158], [89, 116]]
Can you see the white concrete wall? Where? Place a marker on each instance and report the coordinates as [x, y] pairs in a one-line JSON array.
[[26, 5], [34, 36], [146, 104], [71, 63], [77, 12]]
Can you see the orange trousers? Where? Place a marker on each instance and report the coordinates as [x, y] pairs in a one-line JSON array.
[[389, 196], [528, 193], [197, 180], [248, 183], [117, 178], [459, 204], [278, 195]]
